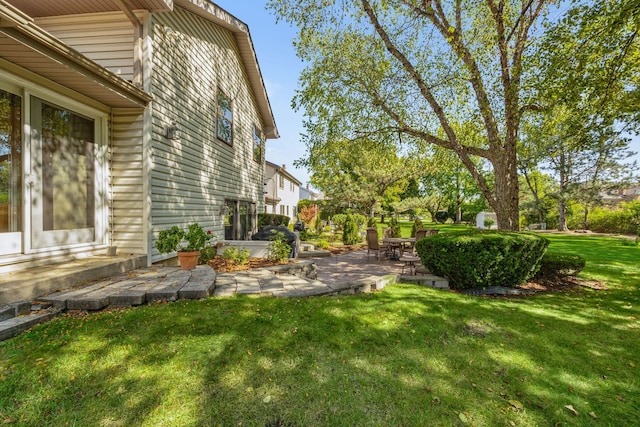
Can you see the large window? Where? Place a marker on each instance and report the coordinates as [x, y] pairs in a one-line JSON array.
[[258, 144], [224, 127], [240, 222]]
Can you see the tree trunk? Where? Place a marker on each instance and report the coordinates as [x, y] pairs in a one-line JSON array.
[[506, 202], [562, 206], [562, 217]]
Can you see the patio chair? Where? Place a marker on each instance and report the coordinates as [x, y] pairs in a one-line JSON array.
[[374, 245]]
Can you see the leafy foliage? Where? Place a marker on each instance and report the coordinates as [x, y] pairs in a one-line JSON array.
[[394, 227], [559, 265], [172, 239], [236, 256], [265, 219], [417, 225], [207, 254], [412, 74], [625, 219], [350, 234], [278, 249], [478, 258]]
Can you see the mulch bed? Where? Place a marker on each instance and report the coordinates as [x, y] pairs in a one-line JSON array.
[[339, 250], [558, 284], [220, 265], [535, 286]]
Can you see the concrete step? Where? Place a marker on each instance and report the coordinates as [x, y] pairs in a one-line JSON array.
[[9, 328], [150, 284], [14, 309], [32, 283]]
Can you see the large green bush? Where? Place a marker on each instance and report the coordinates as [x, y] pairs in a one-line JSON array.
[[265, 219], [625, 219], [560, 265], [479, 258], [350, 235]]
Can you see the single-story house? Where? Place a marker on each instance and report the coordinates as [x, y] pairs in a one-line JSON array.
[[121, 118]]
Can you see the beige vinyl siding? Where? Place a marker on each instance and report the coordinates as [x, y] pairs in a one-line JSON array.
[[106, 38], [128, 181], [193, 175]]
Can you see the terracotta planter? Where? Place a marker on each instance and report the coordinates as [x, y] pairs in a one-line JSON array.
[[188, 259]]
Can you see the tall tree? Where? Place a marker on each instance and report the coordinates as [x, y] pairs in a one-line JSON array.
[[416, 68], [359, 176], [589, 77]]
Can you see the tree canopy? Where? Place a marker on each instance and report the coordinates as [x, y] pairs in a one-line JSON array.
[[465, 75], [431, 71]]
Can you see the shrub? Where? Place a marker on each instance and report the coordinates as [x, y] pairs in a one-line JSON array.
[[323, 244], [371, 222], [350, 235], [278, 249], [442, 216], [236, 256], [395, 227], [560, 265], [207, 254], [479, 258], [417, 225], [338, 220], [265, 220]]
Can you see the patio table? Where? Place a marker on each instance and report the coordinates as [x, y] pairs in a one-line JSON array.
[[398, 243]]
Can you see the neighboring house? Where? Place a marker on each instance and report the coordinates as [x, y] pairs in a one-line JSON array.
[[281, 191], [119, 119], [631, 193], [307, 194]]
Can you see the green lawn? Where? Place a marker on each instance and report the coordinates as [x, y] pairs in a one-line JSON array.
[[404, 356]]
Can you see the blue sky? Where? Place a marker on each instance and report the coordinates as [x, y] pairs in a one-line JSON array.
[[280, 70]]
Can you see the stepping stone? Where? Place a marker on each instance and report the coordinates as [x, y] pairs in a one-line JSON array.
[[247, 285], [200, 285], [271, 284], [16, 325], [60, 299], [224, 291], [167, 289]]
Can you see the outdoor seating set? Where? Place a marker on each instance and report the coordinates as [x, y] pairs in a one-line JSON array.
[[397, 248]]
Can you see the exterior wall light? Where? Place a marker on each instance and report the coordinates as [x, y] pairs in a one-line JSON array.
[[172, 131]]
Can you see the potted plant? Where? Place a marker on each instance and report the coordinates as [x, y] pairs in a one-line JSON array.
[[173, 240]]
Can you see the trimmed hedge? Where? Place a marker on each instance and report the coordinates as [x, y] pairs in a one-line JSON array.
[[560, 265], [265, 219], [481, 258]]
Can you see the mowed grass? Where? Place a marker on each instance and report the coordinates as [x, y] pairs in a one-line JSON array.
[[407, 355]]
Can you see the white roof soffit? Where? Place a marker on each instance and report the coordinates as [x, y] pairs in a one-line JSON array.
[[214, 13], [29, 46], [40, 8]]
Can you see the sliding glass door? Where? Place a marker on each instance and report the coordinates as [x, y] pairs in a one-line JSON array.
[[63, 160]]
